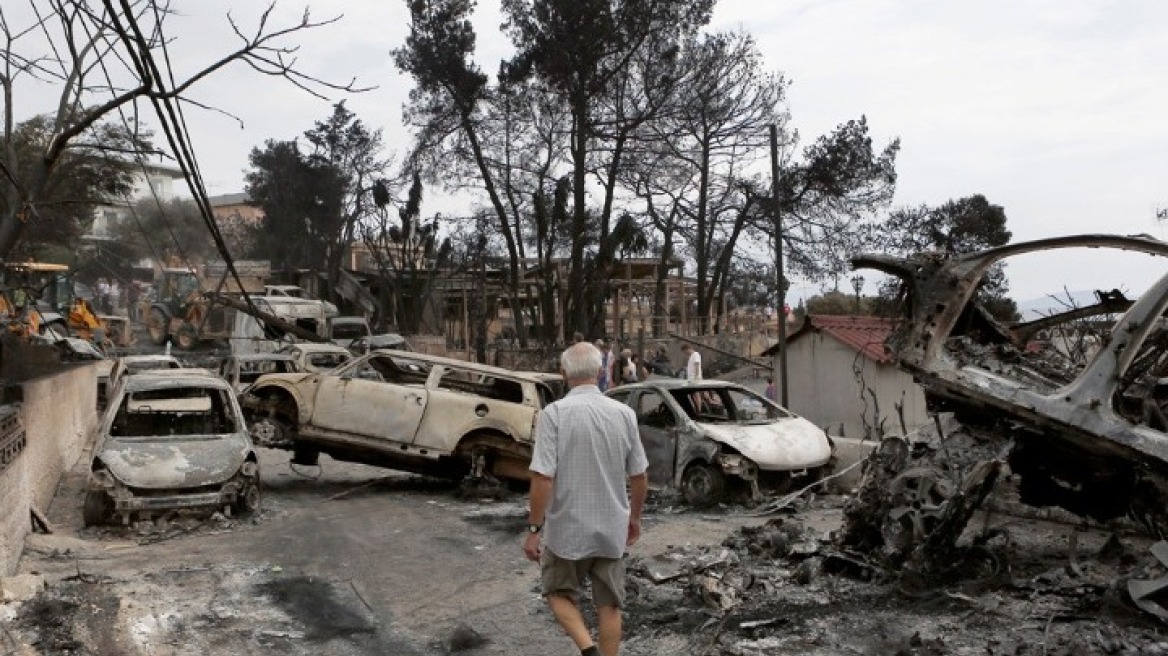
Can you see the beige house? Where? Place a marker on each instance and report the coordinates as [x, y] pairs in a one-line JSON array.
[[842, 377]]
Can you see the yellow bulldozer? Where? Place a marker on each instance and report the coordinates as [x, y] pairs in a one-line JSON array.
[[38, 298]]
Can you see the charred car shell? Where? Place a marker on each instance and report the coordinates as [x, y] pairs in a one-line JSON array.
[[1078, 438], [170, 442], [407, 411], [696, 435]]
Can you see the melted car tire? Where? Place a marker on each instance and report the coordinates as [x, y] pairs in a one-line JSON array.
[[702, 485], [98, 508], [248, 500], [271, 432]]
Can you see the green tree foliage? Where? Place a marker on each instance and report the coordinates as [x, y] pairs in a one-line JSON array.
[[836, 302], [95, 171], [343, 144], [964, 225], [171, 230], [301, 199]]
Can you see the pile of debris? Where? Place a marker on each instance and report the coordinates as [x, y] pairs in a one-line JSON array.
[[781, 588]]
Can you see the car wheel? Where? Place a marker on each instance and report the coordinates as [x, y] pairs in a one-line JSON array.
[[98, 508], [248, 500], [702, 485], [270, 432]]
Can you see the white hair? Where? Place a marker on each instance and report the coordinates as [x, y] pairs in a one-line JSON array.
[[581, 362]]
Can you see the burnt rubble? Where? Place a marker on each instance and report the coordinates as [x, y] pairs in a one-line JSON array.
[[780, 587]]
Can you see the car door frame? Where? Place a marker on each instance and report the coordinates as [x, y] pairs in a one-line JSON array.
[[664, 442], [393, 411]]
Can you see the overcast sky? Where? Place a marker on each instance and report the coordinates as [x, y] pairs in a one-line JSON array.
[[1053, 109]]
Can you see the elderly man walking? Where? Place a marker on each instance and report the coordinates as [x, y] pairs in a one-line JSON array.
[[586, 446]]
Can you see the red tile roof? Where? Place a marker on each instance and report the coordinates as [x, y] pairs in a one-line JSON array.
[[864, 334]]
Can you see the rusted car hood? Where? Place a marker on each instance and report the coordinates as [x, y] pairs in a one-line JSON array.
[[785, 444], [171, 463]]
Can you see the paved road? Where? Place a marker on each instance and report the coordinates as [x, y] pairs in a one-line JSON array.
[[360, 561]]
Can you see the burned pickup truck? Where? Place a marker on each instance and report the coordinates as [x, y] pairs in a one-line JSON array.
[[1083, 433]]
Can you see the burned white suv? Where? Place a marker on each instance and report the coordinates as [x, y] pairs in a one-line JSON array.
[[405, 411]]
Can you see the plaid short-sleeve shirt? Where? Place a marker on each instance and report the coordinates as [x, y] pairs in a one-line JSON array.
[[589, 444]]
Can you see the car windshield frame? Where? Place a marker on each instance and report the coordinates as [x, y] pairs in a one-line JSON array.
[[709, 404]]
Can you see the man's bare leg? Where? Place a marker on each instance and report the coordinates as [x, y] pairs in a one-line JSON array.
[[568, 615], [610, 629]]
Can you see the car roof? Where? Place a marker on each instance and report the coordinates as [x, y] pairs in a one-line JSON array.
[[252, 357], [461, 364], [185, 372], [319, 347], [148, 358], [679, 383], [196, 378]]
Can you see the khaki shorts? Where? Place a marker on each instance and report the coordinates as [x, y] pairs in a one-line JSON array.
[[566, 578]]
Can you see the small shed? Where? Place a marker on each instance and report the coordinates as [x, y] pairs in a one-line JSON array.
[[843, 378]]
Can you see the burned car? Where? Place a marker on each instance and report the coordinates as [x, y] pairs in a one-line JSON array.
[[1080, 428], [132, 364], [168, 442], [698, 435], [315, 357], [243, 370], [405, 411]]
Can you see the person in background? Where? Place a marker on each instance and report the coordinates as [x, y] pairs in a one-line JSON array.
[[626, 368], [771, 393], [581, 517], [693, 363], [606, 362], [115, 297], [133, 296], [103, 291]]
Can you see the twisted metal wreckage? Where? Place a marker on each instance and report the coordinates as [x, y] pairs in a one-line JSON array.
[[1088, 436]]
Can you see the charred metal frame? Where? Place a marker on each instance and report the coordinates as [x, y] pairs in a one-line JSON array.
[[1066, 433]]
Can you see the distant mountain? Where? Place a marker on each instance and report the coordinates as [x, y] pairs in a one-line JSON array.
[[1046, 306]]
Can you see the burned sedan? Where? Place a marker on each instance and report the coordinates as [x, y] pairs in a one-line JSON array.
[[169, 442], [699, 435], [405, 411]]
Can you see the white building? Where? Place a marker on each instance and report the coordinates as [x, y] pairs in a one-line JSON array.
[[843, 379], [150, 180]]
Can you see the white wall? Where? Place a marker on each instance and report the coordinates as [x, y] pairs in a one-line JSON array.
[[826, 390], [59, 415]]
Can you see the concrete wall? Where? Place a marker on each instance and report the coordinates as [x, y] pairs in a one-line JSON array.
[[826, 390], [59, 415]]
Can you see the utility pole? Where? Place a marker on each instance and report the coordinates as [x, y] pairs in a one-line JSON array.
[[781, 363]]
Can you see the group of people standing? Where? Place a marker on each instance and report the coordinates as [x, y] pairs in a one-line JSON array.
[[109, 296], [627, 367]]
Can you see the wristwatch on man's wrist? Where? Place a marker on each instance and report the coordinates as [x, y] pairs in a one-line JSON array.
[[534, 528]]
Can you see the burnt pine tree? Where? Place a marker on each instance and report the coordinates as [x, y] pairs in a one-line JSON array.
[[446, 104], [409, 257], [581, 49]]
